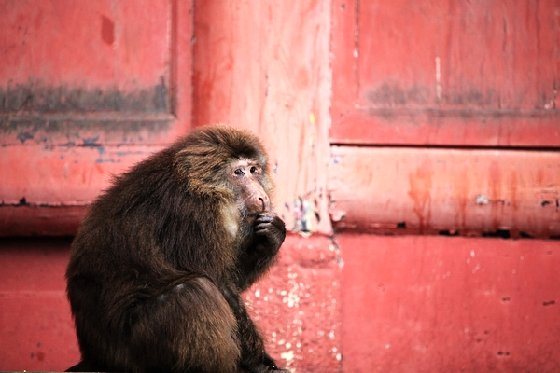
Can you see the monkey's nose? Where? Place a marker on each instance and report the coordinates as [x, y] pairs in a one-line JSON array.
[[265, 201]]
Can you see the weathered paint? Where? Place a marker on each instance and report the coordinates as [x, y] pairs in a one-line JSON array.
[[449, 304], [297, 306], [129, 68], [67, 130], [450, 191], [72, 175], [47, 191], [264, 66], [482, 73], [78, 104], [35, 99]]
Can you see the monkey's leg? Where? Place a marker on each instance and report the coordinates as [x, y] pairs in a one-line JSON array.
[[190, 328]]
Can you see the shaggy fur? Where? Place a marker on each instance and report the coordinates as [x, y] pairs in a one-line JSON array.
[[158, 265]]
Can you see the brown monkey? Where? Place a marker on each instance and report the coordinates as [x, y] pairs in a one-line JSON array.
[[158, 265]]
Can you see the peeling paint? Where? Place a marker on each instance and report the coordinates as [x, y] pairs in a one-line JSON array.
[[305, 215], [91, 141], [24, 136]]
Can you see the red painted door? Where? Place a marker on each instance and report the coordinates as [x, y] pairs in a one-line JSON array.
[[85, 90], [479, 73]]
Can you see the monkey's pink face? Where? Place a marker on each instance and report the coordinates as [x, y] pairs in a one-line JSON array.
[[246, 177]]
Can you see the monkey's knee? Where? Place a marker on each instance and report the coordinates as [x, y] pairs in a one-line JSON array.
[[211, 329]]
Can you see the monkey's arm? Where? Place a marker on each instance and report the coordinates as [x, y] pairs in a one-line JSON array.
[[270, 232], [254, 357]]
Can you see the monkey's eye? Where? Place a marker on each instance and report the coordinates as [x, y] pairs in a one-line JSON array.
[[239, 172], [254, 169]]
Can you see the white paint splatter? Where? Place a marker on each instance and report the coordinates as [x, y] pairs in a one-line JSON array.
[[291, 297], [288, 356], [476, 268]]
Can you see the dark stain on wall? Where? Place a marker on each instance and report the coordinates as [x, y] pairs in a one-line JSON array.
[[35, 98]]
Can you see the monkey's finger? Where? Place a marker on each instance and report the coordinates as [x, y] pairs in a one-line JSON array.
[[269, 230], [264, 218], [263, 226]]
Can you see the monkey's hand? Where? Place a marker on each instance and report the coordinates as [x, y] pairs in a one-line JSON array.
[[270, 231], [256, 258]]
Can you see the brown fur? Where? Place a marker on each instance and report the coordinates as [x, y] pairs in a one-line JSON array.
[[158, 265]]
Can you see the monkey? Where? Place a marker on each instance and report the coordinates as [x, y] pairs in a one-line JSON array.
[[158, 265]]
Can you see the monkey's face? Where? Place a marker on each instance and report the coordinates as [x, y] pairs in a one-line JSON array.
[[246, 176]]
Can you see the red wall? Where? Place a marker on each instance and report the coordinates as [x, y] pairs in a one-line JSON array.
[[449, 304], [36, 329], [363, 303]]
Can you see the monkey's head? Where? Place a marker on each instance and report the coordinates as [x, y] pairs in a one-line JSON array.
[[228, 164]]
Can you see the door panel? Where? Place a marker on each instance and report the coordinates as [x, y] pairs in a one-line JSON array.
[[446, 73], [509, 193], [86, 90]]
